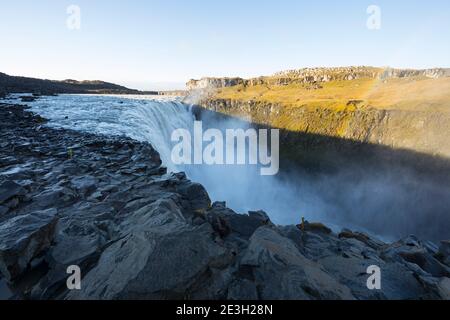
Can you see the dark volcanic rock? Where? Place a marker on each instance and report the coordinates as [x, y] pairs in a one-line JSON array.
[[444, 252], [226, 222], [413, 251], [196, 195], [23, 238], [282, 272], [84, 185], [10, 189], [3, 210], [160, 257], [107, 205], [28, 98]]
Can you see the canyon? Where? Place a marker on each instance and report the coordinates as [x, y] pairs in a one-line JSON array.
[[397, 108], [373, 141], [82, 183], [139, 232]]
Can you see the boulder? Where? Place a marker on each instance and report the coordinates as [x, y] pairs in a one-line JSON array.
[[84, 185], [294, 234], [314, 227], [364, 238], [444, 252], [28, 98], [397, 283], [436, 288], [280, 271], [22, 238], [197, 196], [53, 197], [155, 261], [158, 255], [412, 251], [242, 289], [260, 215], [3, 210], [10, 189], [225, 221]]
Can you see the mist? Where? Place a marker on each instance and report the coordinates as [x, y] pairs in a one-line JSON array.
[[386, 199]]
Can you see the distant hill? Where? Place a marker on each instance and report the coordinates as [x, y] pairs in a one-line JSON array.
[[13, 84]]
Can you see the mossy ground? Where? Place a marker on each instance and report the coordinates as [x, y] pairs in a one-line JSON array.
[[417, 94], [411, 113]]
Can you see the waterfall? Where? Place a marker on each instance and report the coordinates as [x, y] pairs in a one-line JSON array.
[[339, 199], [153, 120], [142, 118]]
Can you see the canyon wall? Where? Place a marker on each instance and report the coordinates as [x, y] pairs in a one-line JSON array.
[[313, 75], [414, 130], [411, 110]]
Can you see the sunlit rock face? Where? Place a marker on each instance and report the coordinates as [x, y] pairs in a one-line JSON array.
[[211, 83], [314, 75]]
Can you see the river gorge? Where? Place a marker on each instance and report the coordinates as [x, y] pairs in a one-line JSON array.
[[81, 184], [383, 191]]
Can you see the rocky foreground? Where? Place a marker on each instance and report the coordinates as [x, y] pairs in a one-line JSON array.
[[107, 205]]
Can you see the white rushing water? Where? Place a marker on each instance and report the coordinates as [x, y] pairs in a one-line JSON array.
[[390, 205], [152, 119]]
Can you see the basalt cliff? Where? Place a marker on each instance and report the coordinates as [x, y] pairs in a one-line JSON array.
[[397, 108]]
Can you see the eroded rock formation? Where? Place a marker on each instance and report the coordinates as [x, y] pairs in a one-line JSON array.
[[317, 75], [400, 121]]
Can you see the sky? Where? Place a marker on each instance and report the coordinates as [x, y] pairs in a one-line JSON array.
[[161, 44]]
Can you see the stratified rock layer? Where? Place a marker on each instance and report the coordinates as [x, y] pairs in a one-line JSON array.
[[419, 131], [398, 108]]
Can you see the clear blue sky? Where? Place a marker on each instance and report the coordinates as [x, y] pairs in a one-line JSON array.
[[149, 43]]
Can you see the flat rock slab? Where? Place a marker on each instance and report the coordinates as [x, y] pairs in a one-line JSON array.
[[282, 272], [22, 238], [9, 189]]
